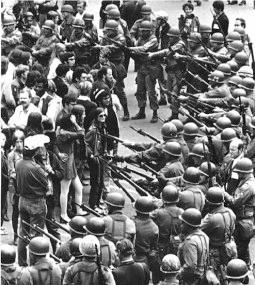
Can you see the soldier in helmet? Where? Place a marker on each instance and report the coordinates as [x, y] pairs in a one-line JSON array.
[[30, 31], [107, 5], [197, 155], [77, 230], [242, 203], [68, 20], [193, 252], [146, 242], [42, 270], [190, 134], [10, 272], [96, 226], [237, 272], [170, 269], [88, 269], [219, 225], [174, 68], [10, 37], [118, 225], [129, 271], [75, 252], [167, 219], [205, 32], [217, 44], [45, 44]]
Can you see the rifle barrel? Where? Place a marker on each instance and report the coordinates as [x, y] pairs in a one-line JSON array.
[[55, 223], [117, 182], [88, 209]]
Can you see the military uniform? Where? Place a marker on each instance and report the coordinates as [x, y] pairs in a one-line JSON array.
[[66, 28], [192, 197], [119, 226], [108, 252], [10, 41], [134, 32], [193, 254]]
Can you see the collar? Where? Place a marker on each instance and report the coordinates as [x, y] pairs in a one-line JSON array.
[[127, 261]]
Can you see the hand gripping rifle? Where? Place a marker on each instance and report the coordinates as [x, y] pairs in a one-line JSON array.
[[242, 111], [56, 224], [118, 140], [145, 134], [252, 58], [101, 278]]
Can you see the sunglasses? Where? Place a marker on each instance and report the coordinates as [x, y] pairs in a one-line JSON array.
[[102, 115]]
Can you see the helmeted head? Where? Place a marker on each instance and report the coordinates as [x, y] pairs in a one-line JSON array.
[[168, 131], [170, 194], [191, 219], [76, 226], [237, 270], [89, 246], [115, 200], [144, 205], [170, 264], [74, 247], [215, 196], [95, 226]]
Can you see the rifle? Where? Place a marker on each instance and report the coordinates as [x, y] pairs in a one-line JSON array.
[[207, 157], [162, 120], [252, 58], [181, 110], [198, 78], [101, 279], [242, 111], [207, 51], [88, 209], [147, 167], [190, 85], [41, 231], [118, 140], [118, 184], [144, 133], [56, 224], [199, 102], [220, 27]]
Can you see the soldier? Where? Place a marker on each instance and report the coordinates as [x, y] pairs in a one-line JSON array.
[[190, 134], [207, 177], [242, 203], [42, 270], [88, 269], [96, 226], [170, 269], [129, 271], [237, 272], [175, 68], [146, 242], [116, 56], [167, 219], [75, 252], [205, 32], [77, 230], [30, 32], [197, 154], [193, 252], [10, 37], [118, 225], [68, 20], [10, 272], [148, 72], [219, 225], [217, 44]]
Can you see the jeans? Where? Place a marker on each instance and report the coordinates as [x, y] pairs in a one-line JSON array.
[[31, 211]]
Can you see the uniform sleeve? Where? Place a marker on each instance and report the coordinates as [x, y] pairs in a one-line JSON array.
[[150, 45], [206, 225], [190, 257], [68, 277]]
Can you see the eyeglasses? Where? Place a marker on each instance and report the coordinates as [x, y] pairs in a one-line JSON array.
[[102, 115]]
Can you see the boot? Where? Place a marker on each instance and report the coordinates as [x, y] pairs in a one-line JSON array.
[[140, 114], [154, 118], [126, 116]]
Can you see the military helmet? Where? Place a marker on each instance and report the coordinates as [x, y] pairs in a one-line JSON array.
[[170, 264], [199, 150], [236, 46], [240, 30], [146, 26], [234, 66], [244, 165], [245, 71], [89, 246], [170, 194], [178, 124], [225, 68], [248, 84], [77, 224], [233, 36], [146, 10], [234, 117], [144, 205], [74, 247], [49, 24], [28, 14], [172, 148], [8, 255], [111, 25], [110, 7], [191, 217], [115, 199], [191, 175], [78, 23], [205, 29], [174, 32], [95, 226], [228, 134], [235, 80], [216, 76], [39, 246], [204, 170], [222, 123], [252, 123], [8, 20], [217, 38], [215, 196], [190, 129], [194, 37], [236, 269], [88, 16], [168, 130], [241, 58], [52, 14], [238, 92], [114, 14], [67, 8]]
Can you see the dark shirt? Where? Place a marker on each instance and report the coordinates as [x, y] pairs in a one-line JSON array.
[[221, 24], [32, 181]]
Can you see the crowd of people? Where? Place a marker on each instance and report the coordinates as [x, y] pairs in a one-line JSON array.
[[62, 87]]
